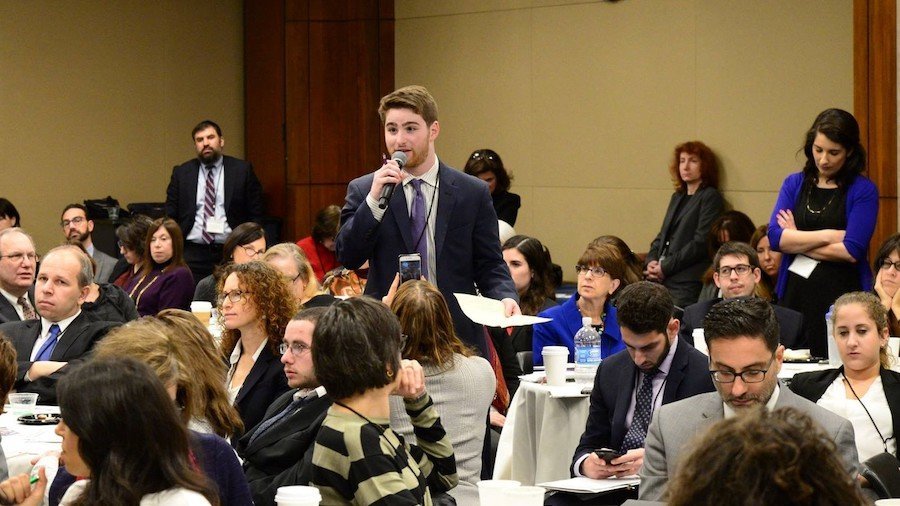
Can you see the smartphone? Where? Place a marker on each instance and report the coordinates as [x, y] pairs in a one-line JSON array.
[[410, 267], [607, 454]]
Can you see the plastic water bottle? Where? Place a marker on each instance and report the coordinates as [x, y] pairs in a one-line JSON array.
[[587, 352], [834, 356]]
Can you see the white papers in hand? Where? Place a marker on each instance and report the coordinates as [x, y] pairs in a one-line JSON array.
[[803, 266], [490, 312], [587, 485]]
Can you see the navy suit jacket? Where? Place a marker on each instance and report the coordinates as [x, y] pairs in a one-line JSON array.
[[265, 382], [614, 386], [243, 193], [466, 242], [282, 456], [790, 322], [75, 344]]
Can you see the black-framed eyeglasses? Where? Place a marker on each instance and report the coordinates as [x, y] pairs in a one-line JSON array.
[[597, 271], [748, 376], [740, 269], [234, 296], [78, 220], [252, 253], [482, 154], [297, 349], [19, 257], [887, 264]]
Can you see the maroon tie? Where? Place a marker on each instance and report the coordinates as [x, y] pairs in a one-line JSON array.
[[209, 203]]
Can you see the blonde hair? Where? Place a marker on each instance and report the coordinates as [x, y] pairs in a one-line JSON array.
[[293, 252], [876, 312]]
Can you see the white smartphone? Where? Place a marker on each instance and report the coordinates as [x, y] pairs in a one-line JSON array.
[[410, 267]]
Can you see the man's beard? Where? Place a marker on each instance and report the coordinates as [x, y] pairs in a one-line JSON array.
[[80, 237]]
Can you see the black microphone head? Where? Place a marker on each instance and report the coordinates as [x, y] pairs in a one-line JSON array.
[[399, 157]]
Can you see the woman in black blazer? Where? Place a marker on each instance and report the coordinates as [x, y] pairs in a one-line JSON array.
[[864, 390], [255, 306], [678, 255]]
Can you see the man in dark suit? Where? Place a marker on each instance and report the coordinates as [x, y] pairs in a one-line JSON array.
[[443, 214], [278, 451], [209, 196], [77, 227], [621, 401], [736, 272], [18, 261], [47, 346]]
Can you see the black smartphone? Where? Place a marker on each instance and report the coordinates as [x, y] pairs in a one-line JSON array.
[[608, 455], [410, 267]]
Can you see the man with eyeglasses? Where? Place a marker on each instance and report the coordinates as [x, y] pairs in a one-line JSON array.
[[18, 263], [77, 227], [278, 451], [744, 361], [736, 272]]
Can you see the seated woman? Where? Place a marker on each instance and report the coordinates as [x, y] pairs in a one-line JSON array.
[[106, 301], [633, 270], [887, 281], [319, 247], [165, 280], [780, 457], [288, 259], [769, 261], [9, 215], [358, 458], [486, 165], [245, 243], [865, 390], [730, 226], [186, 367], [460, 383], [600, 272], [132, 237], [255, 306], [125, 437]]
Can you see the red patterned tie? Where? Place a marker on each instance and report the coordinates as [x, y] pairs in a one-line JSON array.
[[209, 203]]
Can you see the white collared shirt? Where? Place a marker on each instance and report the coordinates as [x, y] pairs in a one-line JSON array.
[[15, 303], [196, 233], [45, 332], [233, 360]]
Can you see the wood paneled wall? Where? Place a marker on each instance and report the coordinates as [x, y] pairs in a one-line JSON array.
[[875, 103], [316, 70]]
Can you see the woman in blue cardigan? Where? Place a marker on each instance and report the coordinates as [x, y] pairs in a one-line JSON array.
[[824, 217], [601, 271]]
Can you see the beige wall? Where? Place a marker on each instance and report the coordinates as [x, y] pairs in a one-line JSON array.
[[98, 97], [584, 100]]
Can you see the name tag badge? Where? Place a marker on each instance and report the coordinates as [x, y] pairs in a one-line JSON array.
[[215, 225]]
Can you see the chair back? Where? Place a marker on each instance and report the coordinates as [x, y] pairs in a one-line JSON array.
[[883, 473]]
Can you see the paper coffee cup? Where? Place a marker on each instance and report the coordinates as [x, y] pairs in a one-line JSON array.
[[202, 310], [555, 359], [494, 492], [297, 495]]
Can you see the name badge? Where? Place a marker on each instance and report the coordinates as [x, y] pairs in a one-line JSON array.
[[215, 225]]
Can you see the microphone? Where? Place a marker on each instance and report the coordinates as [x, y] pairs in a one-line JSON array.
[[388, 190]]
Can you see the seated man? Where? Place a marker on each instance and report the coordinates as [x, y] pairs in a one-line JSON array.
[[656, 368], [63, 333], [278, 451], [18, 262], [736, 272], [745, 359]]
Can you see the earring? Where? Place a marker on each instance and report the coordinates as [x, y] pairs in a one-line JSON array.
[[390, 373]]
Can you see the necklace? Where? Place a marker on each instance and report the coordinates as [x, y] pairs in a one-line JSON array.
[[809, 198], [602, 324]]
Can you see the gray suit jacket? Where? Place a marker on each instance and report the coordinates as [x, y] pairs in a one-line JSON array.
[[105, 266], [676, 425]]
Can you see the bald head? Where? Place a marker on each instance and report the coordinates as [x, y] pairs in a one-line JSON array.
[[17, 261]]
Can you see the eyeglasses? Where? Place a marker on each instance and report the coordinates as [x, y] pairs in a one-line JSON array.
[[748, 376], [584, 269], [482, 154], [78, 220], [234, 296], [290, 280], [297, 349], [252, 252], [887, 264], [19, 257], [740, 269]]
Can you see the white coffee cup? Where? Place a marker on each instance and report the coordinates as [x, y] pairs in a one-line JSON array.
[[494, 492], [297, 495], [555, 359], [526, 496], [202, 310]]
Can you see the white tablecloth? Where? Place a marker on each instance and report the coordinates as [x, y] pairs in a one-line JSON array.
[[540, 434], [21, 443]]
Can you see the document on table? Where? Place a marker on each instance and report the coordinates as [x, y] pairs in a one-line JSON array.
[[491, 312], [589, 486]]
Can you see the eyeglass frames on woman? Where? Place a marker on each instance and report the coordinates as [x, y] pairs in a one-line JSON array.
[[234, 296], [597, 271]]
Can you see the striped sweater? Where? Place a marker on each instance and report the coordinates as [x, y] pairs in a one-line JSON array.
[[361, 463]]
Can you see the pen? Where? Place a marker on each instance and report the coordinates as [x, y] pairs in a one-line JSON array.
[[33, 480]]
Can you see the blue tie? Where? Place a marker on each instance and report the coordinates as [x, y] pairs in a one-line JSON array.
[[419, 224], [643, 407], [47, 349]]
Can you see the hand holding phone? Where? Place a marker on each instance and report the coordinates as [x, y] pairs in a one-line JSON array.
[[410, 267], [608, 455]]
